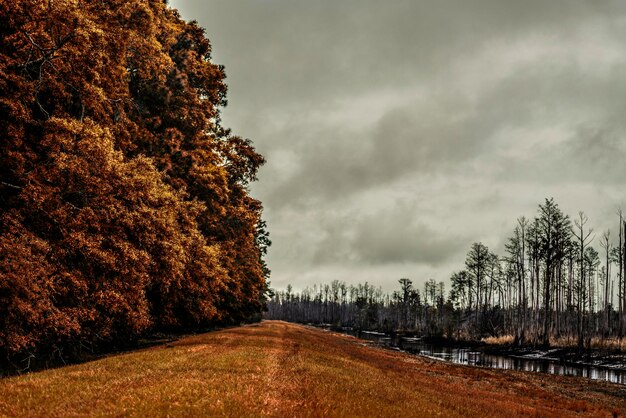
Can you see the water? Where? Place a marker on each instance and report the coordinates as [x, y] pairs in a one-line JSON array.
[[473, 357]]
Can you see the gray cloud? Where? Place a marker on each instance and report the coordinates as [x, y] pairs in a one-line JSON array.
[[394, 235], [384, 238], [398, 132]]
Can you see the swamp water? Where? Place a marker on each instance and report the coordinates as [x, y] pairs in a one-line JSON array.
[[473, 357]]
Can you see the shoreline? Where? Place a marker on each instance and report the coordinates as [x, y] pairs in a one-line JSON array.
[[604, 359]]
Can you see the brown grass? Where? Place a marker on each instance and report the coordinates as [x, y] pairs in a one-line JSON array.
[[281, 369], [502, 340], [614, 344]]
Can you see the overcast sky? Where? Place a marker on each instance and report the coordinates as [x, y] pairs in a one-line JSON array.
[[397, 133]]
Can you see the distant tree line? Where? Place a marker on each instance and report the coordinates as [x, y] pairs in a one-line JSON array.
[[124, 203], [550, 284], [366, 307]]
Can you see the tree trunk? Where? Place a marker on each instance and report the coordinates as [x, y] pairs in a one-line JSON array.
[[623, 253]]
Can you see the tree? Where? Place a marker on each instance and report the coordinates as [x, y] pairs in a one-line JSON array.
[[461, 288], [406, 286], [606, 244], [516, 249], [477, 263], [554, 229], [126, 198], [621, 292], [583, 239]]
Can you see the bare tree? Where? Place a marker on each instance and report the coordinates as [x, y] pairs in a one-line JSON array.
[[583, 239], [621, 287], [606, 244]]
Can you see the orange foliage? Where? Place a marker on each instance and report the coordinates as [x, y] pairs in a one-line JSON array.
[[124, 203]]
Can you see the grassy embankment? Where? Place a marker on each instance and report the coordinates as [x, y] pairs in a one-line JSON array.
[[283, 369]]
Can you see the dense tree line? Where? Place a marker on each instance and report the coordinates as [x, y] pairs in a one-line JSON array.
[[550, 284], [124, 203], [365, 307]]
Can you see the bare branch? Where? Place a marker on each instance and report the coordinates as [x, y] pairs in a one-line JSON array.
[[11, 185]]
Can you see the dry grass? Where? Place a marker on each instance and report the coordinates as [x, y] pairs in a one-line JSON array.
[[281, 369], [618, 344], [502, 340], [614, 344]]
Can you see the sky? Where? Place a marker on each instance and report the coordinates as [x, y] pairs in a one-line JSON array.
[[398, 133]]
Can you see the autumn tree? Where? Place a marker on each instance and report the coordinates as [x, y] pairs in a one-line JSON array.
[[124, 203]]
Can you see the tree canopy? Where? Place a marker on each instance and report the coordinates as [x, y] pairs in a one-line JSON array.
[[124, 204]]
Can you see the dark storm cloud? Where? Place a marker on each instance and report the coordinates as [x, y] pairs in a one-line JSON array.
[[398, 132]]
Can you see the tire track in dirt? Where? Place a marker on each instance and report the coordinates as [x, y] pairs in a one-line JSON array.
[[286, 386]]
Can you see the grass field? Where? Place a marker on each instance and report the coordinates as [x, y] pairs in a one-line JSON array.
[[280, 369]]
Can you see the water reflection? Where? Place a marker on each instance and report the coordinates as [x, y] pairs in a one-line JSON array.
[[472, 357]]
